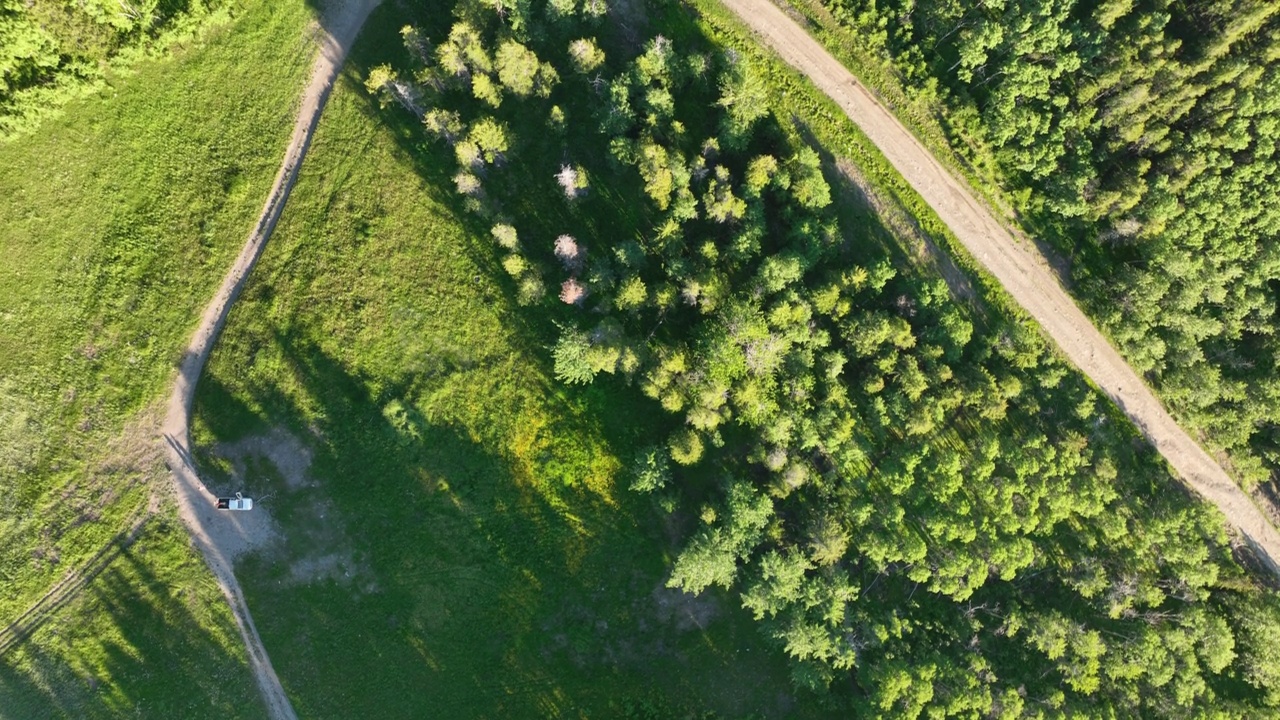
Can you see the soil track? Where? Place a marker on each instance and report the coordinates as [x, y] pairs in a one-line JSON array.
[[66, 589], [1022, 271], [220, 535]]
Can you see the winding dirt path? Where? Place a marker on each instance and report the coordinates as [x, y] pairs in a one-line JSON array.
[[1022, 271], [218, 534]]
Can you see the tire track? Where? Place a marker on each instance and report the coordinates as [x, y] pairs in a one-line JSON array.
[[66, 589], [339, 27]]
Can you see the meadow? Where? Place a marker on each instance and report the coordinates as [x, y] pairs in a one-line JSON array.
[[465, 528], [456, 532], [117, 219]]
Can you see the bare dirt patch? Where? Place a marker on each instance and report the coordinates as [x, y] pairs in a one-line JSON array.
[[290, 456], [686, 611], [276, 467], [1267, 496], [649, 629]]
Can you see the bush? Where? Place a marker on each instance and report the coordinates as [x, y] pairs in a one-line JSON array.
[[686, 447]]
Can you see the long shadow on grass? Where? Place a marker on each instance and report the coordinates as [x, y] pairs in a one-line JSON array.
[[861, 219], [460, 589], [609, 407], [467, 558], [149, 627], [457, 581], [522, 191]]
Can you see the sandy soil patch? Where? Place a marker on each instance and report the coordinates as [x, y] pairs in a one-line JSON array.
[[276, 466]]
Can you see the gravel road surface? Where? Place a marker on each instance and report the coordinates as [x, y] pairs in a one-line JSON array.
[[1022, 271]]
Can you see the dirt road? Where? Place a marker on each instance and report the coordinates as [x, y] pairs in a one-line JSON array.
[[220, 535], [1022, 271]]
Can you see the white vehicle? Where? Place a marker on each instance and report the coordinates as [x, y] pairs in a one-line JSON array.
[[239, 502]]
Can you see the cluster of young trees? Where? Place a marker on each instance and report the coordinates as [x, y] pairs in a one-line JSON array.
[[1143, 135], [51, 51], [926, 510]]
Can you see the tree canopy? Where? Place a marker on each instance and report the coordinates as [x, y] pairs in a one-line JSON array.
[[1141, 137], [51, 52], [921, 505]]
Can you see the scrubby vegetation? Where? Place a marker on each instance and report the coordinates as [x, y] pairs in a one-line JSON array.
[[52, 51], [1140, 138], [919, 502]]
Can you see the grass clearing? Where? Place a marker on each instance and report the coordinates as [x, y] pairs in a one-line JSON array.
[[119, 218], [464, 543]]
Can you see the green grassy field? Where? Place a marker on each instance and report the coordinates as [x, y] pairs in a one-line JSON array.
[[464, 543], [117, 220]]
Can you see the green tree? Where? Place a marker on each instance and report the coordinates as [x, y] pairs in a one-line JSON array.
[[807, 184], [444, 124], [760, 172], [1258, 637], [572, 364], [744, 96], [632, 294], [521, 73], [490, 139], [711, 558], [586, 55], [651, 471], [686, 447], [464, 53], [779, 583]]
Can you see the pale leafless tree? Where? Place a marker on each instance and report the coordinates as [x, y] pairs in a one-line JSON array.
[[573, 292], [569, 252]]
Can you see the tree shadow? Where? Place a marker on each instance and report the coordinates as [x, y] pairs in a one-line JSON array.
[[467, 572], [140, 622], [888, 226], [476, 589]]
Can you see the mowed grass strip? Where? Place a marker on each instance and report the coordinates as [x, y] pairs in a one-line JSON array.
[[462, 542], [117, 221]]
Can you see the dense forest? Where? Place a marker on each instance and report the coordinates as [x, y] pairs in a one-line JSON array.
[[53, 50], [921, 504], [1140, 136]]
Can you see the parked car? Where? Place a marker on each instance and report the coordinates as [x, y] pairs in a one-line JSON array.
[[239, 502]]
